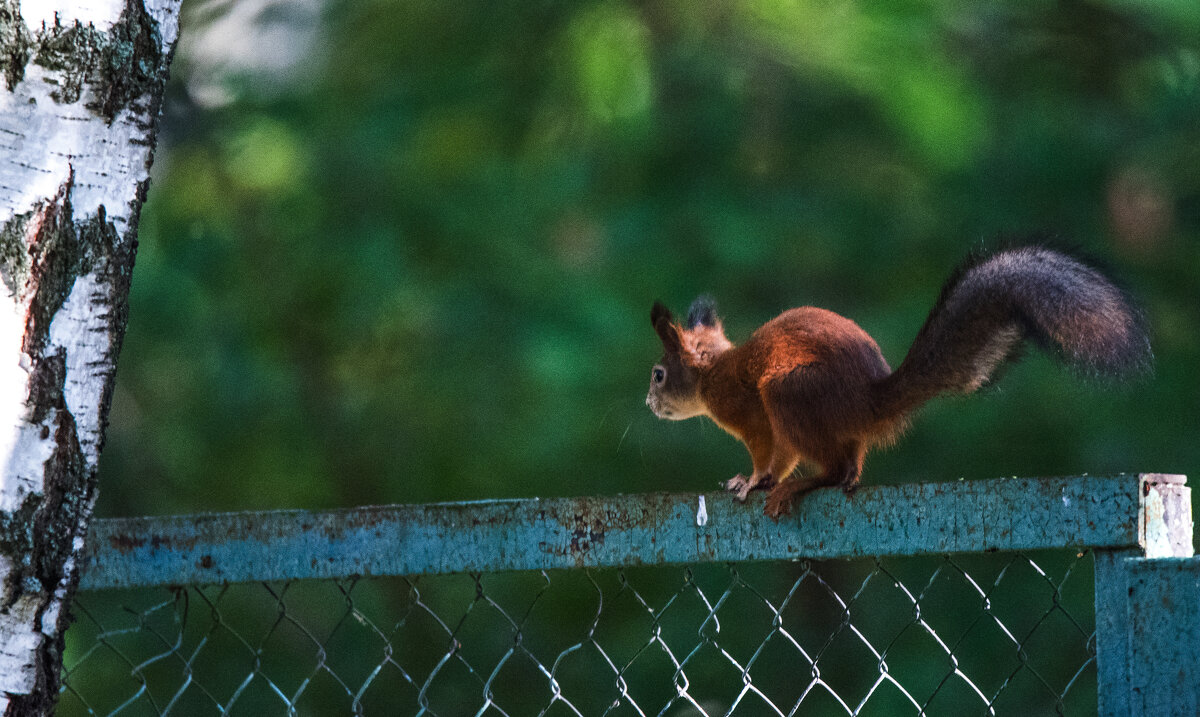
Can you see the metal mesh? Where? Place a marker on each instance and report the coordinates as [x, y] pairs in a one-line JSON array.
[[960, 635]]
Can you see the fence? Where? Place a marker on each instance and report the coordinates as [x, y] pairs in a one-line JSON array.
[[989, 597]]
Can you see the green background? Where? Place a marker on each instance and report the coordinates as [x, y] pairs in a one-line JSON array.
[[420, 266], [417, 263]]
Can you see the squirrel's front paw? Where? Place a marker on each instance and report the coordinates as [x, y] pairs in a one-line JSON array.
[[739, 485]]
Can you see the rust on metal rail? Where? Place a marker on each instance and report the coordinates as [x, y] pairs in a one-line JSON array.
[[532, 534]]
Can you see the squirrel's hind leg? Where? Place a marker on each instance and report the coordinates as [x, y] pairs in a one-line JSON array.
[[851, 470], [785, 493], [843, 472]]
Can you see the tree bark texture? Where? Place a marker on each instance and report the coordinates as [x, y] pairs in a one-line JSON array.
[[81, 84]]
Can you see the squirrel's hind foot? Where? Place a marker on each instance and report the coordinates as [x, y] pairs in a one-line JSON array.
[[779, 502]]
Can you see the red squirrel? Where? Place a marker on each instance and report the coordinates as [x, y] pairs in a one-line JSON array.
[[811, 386]]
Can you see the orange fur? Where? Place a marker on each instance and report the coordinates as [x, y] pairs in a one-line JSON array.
[[798, 392], [812, 387]]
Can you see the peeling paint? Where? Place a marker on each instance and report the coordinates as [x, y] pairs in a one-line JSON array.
[[1157, 536], [1165, 522], [980, 516]]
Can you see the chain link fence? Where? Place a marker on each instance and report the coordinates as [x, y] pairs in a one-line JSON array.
[[995, 634]]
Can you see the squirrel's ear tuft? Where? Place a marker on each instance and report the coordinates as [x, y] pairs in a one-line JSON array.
[[659, 311], [660, 316], [703, 312]]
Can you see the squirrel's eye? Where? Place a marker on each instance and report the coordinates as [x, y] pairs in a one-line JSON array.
[[660, 374]]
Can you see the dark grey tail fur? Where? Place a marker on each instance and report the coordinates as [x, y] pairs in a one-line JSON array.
[[993, 302]]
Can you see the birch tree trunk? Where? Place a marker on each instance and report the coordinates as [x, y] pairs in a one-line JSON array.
[[82, 86]]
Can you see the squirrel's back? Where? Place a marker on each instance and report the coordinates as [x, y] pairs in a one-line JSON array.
[[808, 336]]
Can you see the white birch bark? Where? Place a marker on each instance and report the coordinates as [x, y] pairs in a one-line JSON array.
[[80, 92]]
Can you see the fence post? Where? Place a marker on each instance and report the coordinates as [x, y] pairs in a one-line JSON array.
[[1144, 660], [1164, 635]]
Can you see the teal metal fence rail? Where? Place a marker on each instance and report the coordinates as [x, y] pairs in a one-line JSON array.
[[1036, 596]]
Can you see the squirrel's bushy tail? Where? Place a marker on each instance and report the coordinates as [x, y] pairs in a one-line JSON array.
[[993, 302]]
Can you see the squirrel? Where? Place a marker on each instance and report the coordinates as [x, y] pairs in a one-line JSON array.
[[811, 386]]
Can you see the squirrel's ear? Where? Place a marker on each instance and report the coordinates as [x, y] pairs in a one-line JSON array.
[[703, 312], [659, 311], [660, 317]]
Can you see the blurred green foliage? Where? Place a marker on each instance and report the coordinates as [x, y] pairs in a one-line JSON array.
[[421, 269], [419, 264]]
